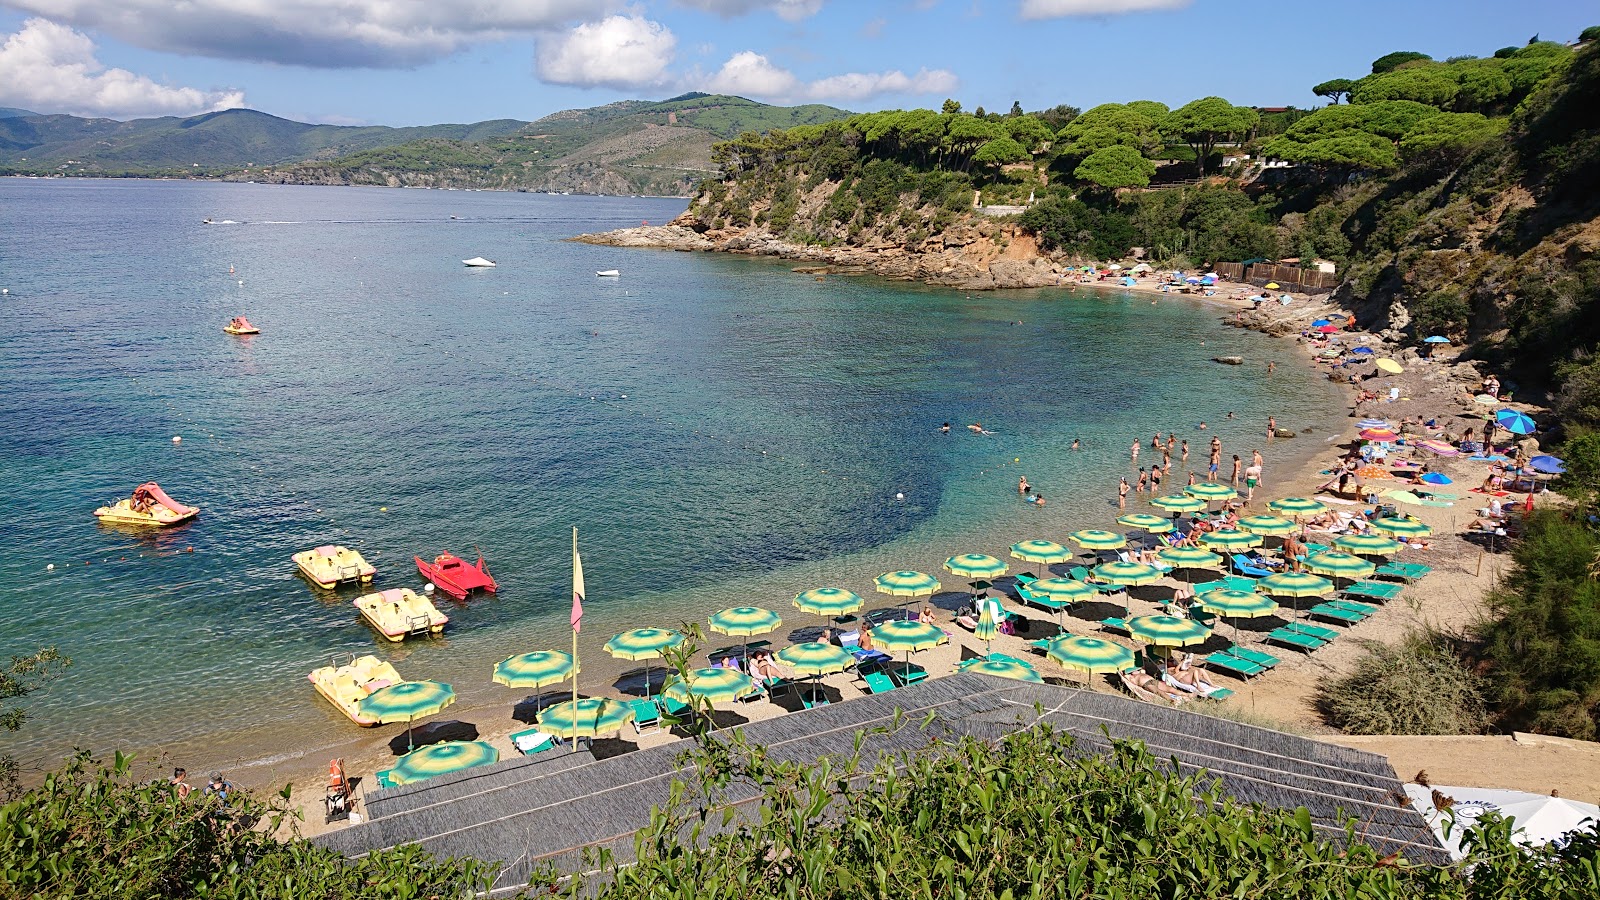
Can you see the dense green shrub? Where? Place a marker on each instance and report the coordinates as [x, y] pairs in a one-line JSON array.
[[1418, 686]]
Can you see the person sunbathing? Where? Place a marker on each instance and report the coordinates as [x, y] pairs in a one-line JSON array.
[[1181, 675], [926, 616], [1153, 685], [762, 668]]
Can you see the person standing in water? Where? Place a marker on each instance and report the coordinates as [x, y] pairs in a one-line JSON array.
[[1075, 443], [1135, 449], [1022, 485], [1122, 493], [1272, 427]]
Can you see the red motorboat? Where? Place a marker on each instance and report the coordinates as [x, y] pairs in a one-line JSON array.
[[454, 576]]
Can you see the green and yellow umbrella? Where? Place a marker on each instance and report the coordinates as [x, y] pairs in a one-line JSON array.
[[906, 583], [1294, 584], [645, 644], [985, 630], [714, 685], [1365, 544], [975, 565], [1095, 539], [1126, 573], [1091, 654], [1340, 565], [1210, 490], [1297, 506], [1001, 668], [536, 669], [745, 621], [1230, 540], [442, 759], [1402, 525], [1045, 552], [828, 601], [1069, 589], [1266, 525], [815, 658], [1168, 631], [909, 635], [1147, 522], [586, 717], [1189, 558], [1179, 503], [1237, 604], [407, 701]]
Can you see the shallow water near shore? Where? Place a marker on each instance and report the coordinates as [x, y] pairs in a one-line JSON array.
[[721, 430]]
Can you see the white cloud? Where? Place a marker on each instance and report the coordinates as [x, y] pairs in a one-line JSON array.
[[617, 52], [789, 10], [1059, 9], [749, 74], [873, 29], [52, 68], [316, 33]]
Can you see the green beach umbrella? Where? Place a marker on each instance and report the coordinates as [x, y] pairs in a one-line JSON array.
[[1367, 544], [1153, 524], [441, 759], [1045, 552], [536, 669], [1229, 540], [1168, 631], [1404, 525], [815, 658], [1294, 584], [906, 583], [908, 635], [1068, 589], [1001, 668], [408, 701], [828, 601], [1179, 503], [1266, 525], [1095, 539], [1210, 490], [1340, 565], [1189, 558], [745, 621], [1091, 654], [645, 644], [1126, 574], [985, 629], [1237, 604], [1297, 506], [585, 717], [975, 565], [714, 685]]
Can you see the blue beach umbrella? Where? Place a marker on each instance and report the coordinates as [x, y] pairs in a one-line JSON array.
[[1436, 478], [1372, 423], [1363, 350], [1321, 322], [1436, 339], [1549, 465], [1514, 422]]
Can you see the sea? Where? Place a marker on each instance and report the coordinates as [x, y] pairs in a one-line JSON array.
[[720, 430]]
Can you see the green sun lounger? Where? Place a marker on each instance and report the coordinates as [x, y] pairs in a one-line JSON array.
[[1337, 614], [1114, 624], [814, 698], [1325, 635], [1407, 572], [1382, 591], [1314, 549], [646, 716], [551, 742], [1025, 578], [1296, 639], [1041, 645], [1032, 599], [384, 780], [1363, 608], [1233, 665], [1264, 660], [878, 681]]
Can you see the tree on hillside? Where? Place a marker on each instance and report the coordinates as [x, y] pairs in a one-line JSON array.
[[1116, 167], [1335, 89], [999, 152], [1109, 125], [1592, 33], [1448, 136], [1482, 85], [1057, 117], [1154, 109], [1016, 109], [1532, 65], [1029, 132], [1430, 84], [964, 135], [1390, 62], [1204, 122], [951, 107]]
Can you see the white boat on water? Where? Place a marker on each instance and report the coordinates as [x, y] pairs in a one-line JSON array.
[[608, 273], [478, 262]]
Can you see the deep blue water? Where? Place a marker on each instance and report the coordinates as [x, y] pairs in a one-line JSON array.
[[721, 430]]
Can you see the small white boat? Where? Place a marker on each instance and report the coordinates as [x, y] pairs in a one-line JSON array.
[[608, 273], [478, 262]]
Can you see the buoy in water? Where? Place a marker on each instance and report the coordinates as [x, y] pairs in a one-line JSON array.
[[427, 588], [50, 568], [177, 439], [383, 509], [899, 497]]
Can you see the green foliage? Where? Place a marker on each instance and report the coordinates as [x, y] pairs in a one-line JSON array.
[[1542, 640], [1056, 117], [1115, 167], [1419, 686], [1391, 61], [25, 675], [1000, 151], [1592, 33], [950, 107], [1111, 125], [1581, 452], [1429, 84], [1449, 136], [1072, 226], [1204, 122], [1030, 131], [1335, 89], [1536, 64], [1578, 403], [1443, 311], [1358, 136]]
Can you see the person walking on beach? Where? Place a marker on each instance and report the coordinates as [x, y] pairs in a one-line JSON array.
[[1237, 464], [1122, 493], [1255, 460], [1216, 461], [1252, 477]]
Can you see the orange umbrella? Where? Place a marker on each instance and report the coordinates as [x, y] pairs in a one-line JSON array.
[[1373, 472], [1383, 435]]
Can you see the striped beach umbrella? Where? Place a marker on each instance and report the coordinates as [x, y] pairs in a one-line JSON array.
[[1439, 448], [1514, 422], [1090, 654], [1230, 540], [1001, 668], [1068, 589], [744, 621], [1210, 490], [1127, 574], [1168, 631], [985, 630], [1340, 565], [1266, 525], [1189, 558], [1373, 423], [1179, 503], [1096, 539], [1297, 506], [644, 644], [828, 601], [1373, 544], [536, 669], [909, 634], [1147, 522], [1378, 435], [1237, 604], [407, 702], [1045, 552], [815, 658], [906, 583], [1294, 584], [975, 565], [714, 685], [586, 717], [1402, 525], [442, 759]]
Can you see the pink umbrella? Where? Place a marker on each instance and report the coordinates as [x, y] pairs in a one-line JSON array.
[[1327, 329], [1439, 447], [1379, 434]]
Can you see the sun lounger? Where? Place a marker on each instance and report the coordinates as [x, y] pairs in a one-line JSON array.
[[1117, 625], [533, 742], [1374, 590], [1239, 583], [646, 716], [878, 681], [1243, 566], [1314, 549], [1233, 665], [814, 698], [1407, 572], [1366, 609], [903, 676], [1001, 657], [1142, 694], [1215, 693], [384, 779], [1325, 635], [1289, 637], [674, 712], [1329, 611], [1264, 660], [1025, 578], [1032, 599]]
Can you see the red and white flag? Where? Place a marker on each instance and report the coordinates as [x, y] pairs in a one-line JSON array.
[[577, 585]]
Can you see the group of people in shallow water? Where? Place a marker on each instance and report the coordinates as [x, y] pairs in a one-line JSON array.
[[1150, 478]]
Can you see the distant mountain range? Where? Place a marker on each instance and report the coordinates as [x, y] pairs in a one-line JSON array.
[[629, 147]]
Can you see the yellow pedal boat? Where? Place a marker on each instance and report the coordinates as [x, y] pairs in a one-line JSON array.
[[329, 566], [347, 685], [399, 613], [149, 505]]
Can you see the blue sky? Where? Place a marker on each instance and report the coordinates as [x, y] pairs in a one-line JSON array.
[[412, 62]]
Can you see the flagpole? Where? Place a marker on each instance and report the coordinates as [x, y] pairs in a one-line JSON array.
[[575, 594]]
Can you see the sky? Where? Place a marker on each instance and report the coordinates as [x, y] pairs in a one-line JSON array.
[[419, 62]]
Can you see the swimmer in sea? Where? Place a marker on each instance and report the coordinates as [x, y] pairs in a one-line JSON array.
[[945, 428], [976, 428], [1074, 443]]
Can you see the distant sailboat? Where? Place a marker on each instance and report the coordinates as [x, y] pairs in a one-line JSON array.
[[478, 262], [608, 273]]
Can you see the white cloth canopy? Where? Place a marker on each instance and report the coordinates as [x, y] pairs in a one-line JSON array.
[[1539, 819]]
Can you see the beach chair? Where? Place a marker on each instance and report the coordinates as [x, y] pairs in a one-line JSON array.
[[533, 742], [878, 681], [1233, 665], [902, 676], [384, 779], [1289, 637], [1238, 583], [1314, 549], [1025, 578], [1142, 694], [1243, 566], [1355, 607], [1118, 625], [1264, 660], [1407, 572], [1336, 614], [1374, 590], [1045, 603], [646, 716], [1081, 574], [1325, 635], [1042, 645], [814, 698], [1001, 657], [674, 712]]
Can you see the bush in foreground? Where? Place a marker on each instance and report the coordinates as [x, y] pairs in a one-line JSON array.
[[1418, 686]]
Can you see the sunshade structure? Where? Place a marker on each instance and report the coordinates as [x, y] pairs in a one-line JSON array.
[[1369, 544], [828, 601], [1210, 490], [1168, 631], [1069, 589], [1189, 558], [1095, 539], [815, 658], [1402, 525], [1297, 506], [975, 565], [536, 669], [906, 583], [1266, 525], [1436, 339], [1373, 423], [1381, 435], [1126, 574], [908, 635], [713, 685], [1179, 503], [1046, 552], [1340, 565], [585, 717], [407, 702], [985, 630], [745, 621], [1435, 478], [1001, 668], [1486, 400], [442, 759], [1090, 654], [1390, 366], [1237, 604], [1549, 465], [1514, 422], [644, 644], [1438, 448], [1147, 522], [1295, 585], [1230, 540]]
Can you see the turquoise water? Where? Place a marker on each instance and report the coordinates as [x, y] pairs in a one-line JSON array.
[[720, 429]]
